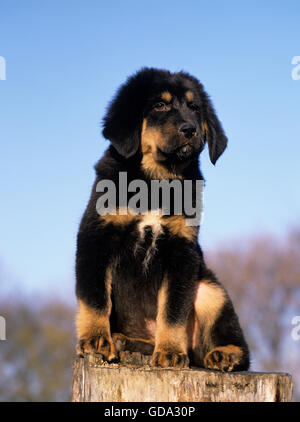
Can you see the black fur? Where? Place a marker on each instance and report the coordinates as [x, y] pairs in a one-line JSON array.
[[100, 244]]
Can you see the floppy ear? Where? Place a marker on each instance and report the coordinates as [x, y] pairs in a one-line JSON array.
[[122, 124], [123, 121], [212, 130]]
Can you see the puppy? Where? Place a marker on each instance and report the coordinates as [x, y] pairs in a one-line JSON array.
[[142, 283]]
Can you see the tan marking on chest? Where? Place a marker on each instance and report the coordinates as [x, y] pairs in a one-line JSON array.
[[177, 226], [123, 216]]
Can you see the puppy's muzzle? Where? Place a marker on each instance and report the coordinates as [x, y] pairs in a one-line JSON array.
[[188, 130], [174, 155]]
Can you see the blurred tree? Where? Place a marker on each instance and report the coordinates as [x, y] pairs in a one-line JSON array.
[[36, 358], [262, 275]]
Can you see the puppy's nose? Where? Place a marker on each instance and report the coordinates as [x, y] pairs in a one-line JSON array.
[[188, 130]]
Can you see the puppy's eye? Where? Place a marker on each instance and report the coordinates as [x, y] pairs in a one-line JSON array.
[[161, 107], [193, 106]]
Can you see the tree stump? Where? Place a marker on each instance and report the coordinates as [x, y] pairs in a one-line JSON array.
[[133, 380]]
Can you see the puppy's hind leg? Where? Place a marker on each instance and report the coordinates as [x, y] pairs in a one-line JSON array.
[[218, 342]]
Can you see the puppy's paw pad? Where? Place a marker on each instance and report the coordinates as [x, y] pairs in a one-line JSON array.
[[167, 359], [223, 358]]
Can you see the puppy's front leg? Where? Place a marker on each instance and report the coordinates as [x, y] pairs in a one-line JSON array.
[[93, 289], [171, 339]]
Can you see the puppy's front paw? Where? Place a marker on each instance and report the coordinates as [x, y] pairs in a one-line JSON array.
[[223, 358], [167, 359], [101, 343]]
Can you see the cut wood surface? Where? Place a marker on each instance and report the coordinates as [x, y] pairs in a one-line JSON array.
[[132, 379]]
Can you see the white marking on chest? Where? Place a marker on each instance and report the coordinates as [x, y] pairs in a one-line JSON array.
[[153, 221]]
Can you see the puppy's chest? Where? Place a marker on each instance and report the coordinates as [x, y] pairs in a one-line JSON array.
[[149, 231]]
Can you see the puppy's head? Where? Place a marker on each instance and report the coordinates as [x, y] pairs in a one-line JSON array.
[[168, 116]]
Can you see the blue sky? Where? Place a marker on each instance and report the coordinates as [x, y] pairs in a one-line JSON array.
[[65, 61]]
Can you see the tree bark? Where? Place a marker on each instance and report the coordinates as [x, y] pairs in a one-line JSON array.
[[133, 380]]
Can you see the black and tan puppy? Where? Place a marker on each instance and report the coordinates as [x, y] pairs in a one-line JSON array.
[[142, 284]]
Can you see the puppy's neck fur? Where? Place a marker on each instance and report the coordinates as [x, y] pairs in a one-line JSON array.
[[156, 170]]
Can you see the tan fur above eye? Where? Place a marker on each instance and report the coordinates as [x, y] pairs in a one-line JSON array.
[[166, 96], [189, 96]]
